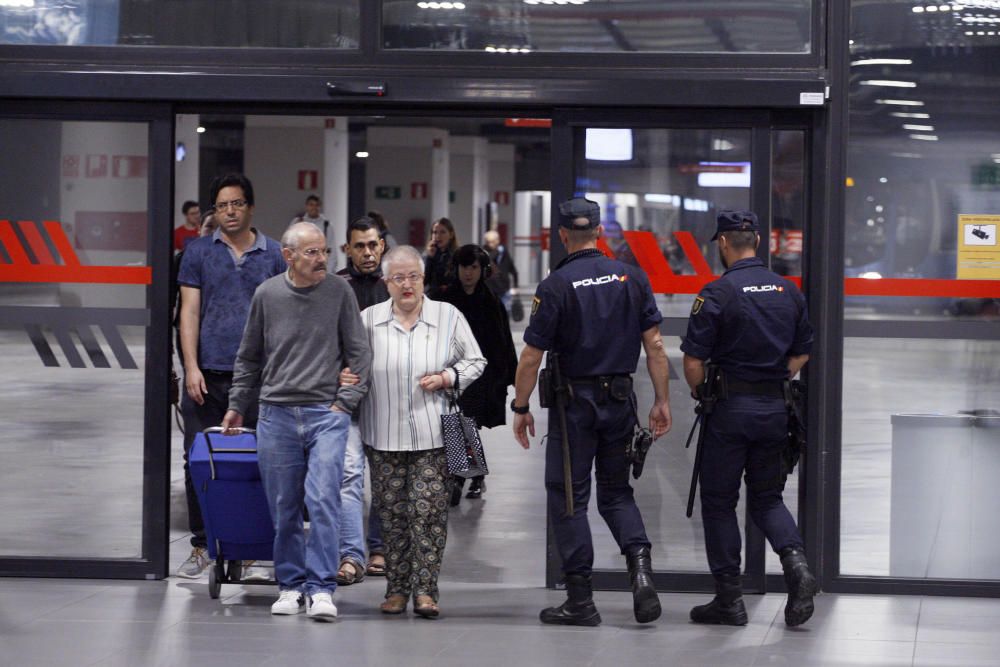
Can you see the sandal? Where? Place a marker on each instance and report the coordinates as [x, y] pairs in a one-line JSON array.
[[350, 572], [425, 606], [376, 568], [394, 604]]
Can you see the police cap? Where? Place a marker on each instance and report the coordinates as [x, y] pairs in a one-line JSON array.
[[735, 221], [573, 209]]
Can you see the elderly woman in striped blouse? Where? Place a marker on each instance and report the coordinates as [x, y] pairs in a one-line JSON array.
[[420, 348]]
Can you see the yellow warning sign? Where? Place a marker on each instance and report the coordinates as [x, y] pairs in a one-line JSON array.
[[978, 249]]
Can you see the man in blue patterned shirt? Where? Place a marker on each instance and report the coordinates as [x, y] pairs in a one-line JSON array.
[[218, 276]]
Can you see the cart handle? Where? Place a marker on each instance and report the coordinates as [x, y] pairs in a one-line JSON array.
[[229, 450]]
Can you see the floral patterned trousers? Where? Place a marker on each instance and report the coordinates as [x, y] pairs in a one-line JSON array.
[[410, 492]]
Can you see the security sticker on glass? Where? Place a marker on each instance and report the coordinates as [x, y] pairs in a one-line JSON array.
[[696, 306], [535, 303]]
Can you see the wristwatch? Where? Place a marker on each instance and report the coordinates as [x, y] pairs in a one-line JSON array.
[[523, 410]]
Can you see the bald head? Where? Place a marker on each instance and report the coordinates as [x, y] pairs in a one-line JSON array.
[[491, 239], [300, 232]]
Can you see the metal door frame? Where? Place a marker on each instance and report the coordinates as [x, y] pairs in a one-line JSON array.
[[152, 562], [761, 123]]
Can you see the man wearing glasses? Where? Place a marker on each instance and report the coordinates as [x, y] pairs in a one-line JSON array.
[[304, 327], [217, 277]]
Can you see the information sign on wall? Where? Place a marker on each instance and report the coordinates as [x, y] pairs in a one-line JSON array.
[[978, 251]]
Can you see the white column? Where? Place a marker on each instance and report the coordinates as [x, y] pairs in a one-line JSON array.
[[336, 159], [470, 183]]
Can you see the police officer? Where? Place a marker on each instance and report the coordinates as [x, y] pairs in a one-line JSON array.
[[753, 325], [594, 312]]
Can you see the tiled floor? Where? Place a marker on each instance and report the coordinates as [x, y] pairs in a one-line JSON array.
[[125, 624]]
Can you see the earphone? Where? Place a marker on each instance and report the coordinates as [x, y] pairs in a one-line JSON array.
[[481, 256]]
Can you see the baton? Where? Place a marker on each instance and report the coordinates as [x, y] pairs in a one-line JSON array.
[[699, 448], [567, 463]]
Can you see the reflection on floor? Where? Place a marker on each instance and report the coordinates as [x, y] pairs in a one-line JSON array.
[[57, 452], [174, 623]]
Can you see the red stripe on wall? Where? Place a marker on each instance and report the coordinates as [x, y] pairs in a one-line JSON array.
[[13, 246], [693, 253], [36, 242], [981, 289], [61, 243], [34, 273]]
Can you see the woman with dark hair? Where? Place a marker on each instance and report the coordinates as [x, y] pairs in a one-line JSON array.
[[437, 255], [486, 398]]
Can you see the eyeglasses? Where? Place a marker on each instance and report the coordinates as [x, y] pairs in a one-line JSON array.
[[313, 252], [401, 279], [236, 203]]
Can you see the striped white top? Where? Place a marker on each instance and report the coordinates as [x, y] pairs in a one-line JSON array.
[[396, 414]]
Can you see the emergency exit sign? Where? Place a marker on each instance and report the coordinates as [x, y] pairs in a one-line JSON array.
[[387, 192]]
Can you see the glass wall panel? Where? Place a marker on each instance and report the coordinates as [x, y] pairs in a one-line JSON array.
[[659, 191], [73, 319], [326, 24], [583, 26], [922, 212]]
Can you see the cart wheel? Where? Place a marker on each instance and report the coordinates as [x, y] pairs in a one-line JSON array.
[[213, 584], [235, 570]]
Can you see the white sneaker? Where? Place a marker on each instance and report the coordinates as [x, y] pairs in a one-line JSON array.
[[254, 572], [289, 602], [196, 563], [321, 607]]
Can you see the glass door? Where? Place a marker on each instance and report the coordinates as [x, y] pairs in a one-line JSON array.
[[660, 180], [84, 237]]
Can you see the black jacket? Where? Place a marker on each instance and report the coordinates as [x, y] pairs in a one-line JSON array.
[[369, 288], [486, 398]]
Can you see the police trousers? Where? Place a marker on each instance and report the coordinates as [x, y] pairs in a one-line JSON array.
[[598, 433], [744, 433]]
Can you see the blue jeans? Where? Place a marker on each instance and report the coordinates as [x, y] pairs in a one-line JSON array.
[[352, 504], [301, 454]]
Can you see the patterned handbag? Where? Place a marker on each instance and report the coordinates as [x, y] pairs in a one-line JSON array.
[[462, 444]]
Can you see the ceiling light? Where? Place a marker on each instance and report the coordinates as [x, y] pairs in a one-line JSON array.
[[888, 83], [909, 114], [919, 128], [924, 137], [930, 8], [909, 155], [882, 61], [901, 103], [17, 3], [200, 130], [918, 10], [361, 154]]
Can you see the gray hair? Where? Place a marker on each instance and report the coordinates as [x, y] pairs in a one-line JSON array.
[[398, 254], [293, 235]]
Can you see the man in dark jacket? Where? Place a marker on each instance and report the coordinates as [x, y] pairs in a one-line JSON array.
[[363, 273]]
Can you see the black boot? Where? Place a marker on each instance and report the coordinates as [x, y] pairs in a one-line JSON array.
[[727, 607], [645, 602], [578, 609], [801, 586]]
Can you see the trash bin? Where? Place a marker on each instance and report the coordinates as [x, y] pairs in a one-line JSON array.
[[945, 494]]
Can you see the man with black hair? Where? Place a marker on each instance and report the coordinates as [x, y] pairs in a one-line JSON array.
[[363, 273], [217, 277], [594, 313], [752, 324]]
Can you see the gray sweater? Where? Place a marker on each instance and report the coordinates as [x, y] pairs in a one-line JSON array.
[[296, 342]]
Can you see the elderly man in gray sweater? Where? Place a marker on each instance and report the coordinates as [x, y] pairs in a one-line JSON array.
[[304, 327]]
